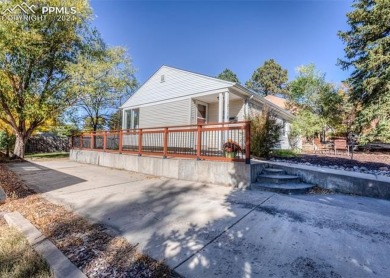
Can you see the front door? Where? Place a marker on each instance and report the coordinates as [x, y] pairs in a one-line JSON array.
[[202, 113]]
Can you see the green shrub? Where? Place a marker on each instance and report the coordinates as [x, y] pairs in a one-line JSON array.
[[265, 133], [284, 153], [7, 141]]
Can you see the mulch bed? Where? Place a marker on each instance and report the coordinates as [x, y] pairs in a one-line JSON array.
[[91, 247], [372, 161]]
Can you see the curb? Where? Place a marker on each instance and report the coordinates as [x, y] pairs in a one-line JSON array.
[[58, 262]]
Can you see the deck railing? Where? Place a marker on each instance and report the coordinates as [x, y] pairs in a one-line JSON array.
[[202, 141]]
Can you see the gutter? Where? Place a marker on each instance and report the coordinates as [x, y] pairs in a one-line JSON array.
[[253, 95]]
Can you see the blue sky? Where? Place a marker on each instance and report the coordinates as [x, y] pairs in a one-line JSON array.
[[209, 36]]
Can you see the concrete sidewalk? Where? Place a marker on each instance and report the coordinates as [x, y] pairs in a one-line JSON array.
[[214, 231]]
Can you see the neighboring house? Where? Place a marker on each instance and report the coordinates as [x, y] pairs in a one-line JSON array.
[[175, 97], [281, 102]]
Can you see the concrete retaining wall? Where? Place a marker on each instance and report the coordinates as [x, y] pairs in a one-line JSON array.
[[236, 174], [337, 180]]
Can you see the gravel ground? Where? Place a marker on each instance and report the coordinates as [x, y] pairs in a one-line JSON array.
[[371, 163], [91, 247]]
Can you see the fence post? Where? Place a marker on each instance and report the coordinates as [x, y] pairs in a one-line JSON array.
[[120, 141], [247, 143], [199, 142], [140, 143], [104, 141], [165, 149], [91, 143]]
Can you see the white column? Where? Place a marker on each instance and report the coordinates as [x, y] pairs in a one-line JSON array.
[[246, 109], [124, 119], [226, 112], [220, 118], [220, 108]]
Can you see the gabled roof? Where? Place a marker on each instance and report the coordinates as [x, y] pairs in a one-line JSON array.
[[177, 83], [180, 83]]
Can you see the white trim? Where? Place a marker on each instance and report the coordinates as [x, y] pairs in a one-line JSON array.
[[227, 104], [124, 124], [246, 108], [220, 108], [177, 98], [124, 119], [230, 83]]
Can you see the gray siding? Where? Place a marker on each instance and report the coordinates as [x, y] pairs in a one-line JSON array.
[[213, 112], [193, 112], [254, 109], [236, 109], [165, 114]]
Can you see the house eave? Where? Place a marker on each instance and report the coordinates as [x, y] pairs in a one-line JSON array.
[[253, 95]]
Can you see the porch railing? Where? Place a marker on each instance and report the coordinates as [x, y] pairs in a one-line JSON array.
[[219, 141]]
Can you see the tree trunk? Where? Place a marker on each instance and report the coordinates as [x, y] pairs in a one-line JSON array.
[[20, 145]]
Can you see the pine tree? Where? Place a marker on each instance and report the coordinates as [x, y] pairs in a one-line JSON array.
[[269, 79], [368, 55], [228, 75]]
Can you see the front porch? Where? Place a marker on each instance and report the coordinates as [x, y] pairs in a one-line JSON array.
[[219, 107], [225, 141]]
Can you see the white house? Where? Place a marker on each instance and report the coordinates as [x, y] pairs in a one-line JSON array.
[[175, 97]]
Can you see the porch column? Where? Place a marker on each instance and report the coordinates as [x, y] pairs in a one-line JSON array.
[[246, 109], [220, 108], [124, 119], [226, 114]]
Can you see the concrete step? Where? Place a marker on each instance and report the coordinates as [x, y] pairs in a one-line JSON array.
[[273, 171], [277, 178], [284, 188]]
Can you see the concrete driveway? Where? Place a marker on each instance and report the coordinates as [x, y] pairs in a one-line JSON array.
[[213, 231]]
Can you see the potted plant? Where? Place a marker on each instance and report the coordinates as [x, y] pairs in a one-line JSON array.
[[231, 148]]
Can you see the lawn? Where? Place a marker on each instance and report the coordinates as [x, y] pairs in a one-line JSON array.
[[47, 155], [17, 258]]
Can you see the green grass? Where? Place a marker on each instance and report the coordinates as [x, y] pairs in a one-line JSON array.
[[17, 258], [47, 155], [284, 153]]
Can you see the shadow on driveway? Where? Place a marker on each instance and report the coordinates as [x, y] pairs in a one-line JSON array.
[[213, 231], [44, 179]]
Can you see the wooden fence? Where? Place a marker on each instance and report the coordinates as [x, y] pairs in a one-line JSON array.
[[219, 141]]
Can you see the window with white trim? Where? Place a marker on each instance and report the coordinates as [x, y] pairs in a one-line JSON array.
[[132, 118]]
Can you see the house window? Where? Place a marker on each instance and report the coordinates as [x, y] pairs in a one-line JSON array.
[[132, 118]]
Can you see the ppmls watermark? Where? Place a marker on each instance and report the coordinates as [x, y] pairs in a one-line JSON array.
[[26, 12]]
